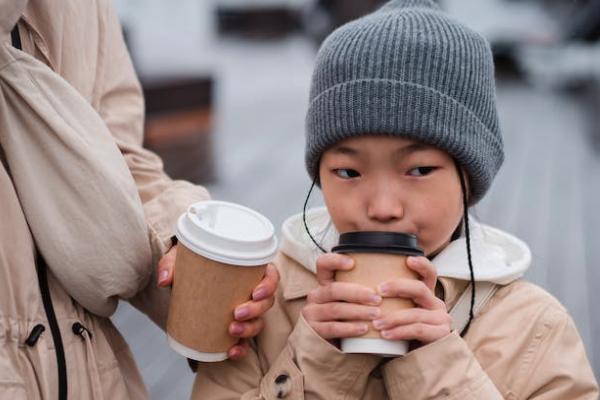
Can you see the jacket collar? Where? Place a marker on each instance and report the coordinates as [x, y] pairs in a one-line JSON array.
[[296, 280], [497, 256]]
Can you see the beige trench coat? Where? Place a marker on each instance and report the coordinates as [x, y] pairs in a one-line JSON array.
[[81, 41], [522, 345]]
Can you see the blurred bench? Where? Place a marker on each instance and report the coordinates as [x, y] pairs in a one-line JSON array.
[[179, 125], [258, 21]]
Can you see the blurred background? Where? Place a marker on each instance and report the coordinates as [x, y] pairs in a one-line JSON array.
[[226, 85]]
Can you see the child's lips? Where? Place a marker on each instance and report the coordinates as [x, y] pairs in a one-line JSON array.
[[387, 229]]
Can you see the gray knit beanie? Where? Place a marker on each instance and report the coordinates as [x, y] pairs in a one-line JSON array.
[[410, 70]]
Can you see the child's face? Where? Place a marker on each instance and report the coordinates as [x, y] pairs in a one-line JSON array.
[[379, 183]]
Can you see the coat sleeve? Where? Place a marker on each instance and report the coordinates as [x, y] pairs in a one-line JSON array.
[[443, 369], [307, 367], [558, 367], [120, 103], [551, 366]]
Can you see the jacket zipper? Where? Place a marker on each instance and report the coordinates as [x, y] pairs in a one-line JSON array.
[[54, 329]]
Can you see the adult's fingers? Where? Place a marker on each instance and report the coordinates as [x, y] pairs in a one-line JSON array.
[[166, 267], [253, 309], [328, 263], [246, 329], [267, 287], [344, 291], [239, 350]]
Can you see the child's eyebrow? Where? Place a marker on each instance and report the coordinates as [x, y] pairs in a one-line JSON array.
[[402, 151], [345, 150], [412, 148]]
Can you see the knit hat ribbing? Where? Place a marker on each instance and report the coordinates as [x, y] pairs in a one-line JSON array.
[[408, 70]]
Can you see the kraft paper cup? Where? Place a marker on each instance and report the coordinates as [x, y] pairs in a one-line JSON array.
[[378, 257], [223, 252]]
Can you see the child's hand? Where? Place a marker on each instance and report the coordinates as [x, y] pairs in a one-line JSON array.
[[248, 316], [426, 323], [334, 308]]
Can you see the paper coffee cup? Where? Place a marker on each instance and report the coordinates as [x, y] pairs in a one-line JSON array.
[[378, 257], [223, 252]]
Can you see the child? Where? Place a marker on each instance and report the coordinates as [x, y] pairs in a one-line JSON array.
[[402, 135]]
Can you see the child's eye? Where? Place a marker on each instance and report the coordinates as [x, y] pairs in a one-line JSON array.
[[346, 173], [421, 171]]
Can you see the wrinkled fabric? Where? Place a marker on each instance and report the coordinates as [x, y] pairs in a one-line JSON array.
[[522, 345], [79, 199], [82, 42], [11, 12]]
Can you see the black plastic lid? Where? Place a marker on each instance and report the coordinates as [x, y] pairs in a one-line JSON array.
[[378, 242]]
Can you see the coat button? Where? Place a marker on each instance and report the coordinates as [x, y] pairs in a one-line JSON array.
[[282, 386]]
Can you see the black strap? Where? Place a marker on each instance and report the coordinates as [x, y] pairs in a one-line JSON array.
[[16, 38], [61, 363]]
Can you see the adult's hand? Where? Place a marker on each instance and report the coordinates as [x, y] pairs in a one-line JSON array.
[[248, 316]]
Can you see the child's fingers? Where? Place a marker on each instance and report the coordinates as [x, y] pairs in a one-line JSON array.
[[344, 291], [425, 269], [253, 309], [412, 289], [424, 333], [166, 267], [337, 330], [268, 285], [340, 311], [239, 350], [246, 329], [328, 263], [413, 316]]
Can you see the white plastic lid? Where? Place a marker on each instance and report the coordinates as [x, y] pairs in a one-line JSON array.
[[381, 347], [227, 233]]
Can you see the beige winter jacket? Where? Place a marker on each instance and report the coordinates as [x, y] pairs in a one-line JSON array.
[[81, 41], [522, 345]]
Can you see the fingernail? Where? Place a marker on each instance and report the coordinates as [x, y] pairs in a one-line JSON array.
[[375, 299], [236, 329], [384, 289], [259, 293], [364, 328], [374, 313], [162, 276], [234, 353], [241, 312], [386, 334], [378, 323], [412, 260], [348, 262]]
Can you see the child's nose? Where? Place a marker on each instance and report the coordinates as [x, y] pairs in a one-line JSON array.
[[385, 207]]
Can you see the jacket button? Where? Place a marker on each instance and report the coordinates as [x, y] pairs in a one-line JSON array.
[[283, 386]]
